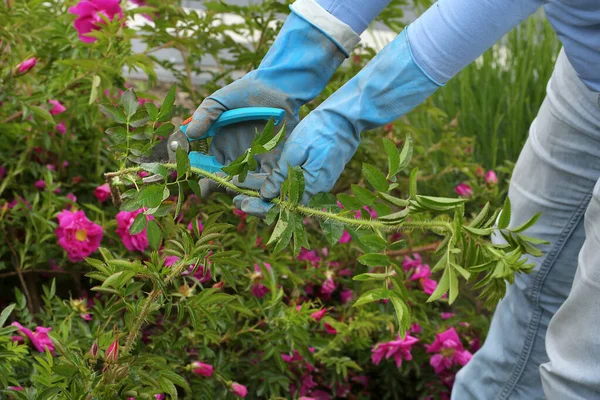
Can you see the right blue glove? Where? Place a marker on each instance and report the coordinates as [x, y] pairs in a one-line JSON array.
[[309, 48], [391, 85]]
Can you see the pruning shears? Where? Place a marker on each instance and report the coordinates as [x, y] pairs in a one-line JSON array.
[[166, 150]]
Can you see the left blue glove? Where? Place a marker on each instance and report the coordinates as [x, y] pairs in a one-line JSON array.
[[309, 48], [391, 85]]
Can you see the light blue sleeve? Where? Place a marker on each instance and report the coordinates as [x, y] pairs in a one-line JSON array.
[[453, 33], [356, 13]]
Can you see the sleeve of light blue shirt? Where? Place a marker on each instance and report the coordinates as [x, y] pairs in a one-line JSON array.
[[453, 33], [356, 13]]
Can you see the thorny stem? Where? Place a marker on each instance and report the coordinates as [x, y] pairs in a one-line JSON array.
[[139, 321], [433, 225]]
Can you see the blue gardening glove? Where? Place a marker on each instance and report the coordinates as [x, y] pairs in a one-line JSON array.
[[391, 85], [307, 51]]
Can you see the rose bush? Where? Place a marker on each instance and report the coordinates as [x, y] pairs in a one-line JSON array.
[[116, 288]]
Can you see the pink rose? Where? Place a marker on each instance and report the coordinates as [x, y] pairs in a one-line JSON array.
[[491, 178], [112, 353], [88, 16], [449, 351], [448, 315], [57, 107], [239, 390], [463, 190], [329, 329], [399, 349], [345, 238], [40, 339], [27, 65], [61, 128], [79, 236], [318, 315], [346, 295], [328, 286], [259, 290], [202, 369], [422, 274], [200, 226], [139, 241], [102, 192], [40, 185]]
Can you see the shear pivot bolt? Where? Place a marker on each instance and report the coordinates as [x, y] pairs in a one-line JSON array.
[[174, 146]]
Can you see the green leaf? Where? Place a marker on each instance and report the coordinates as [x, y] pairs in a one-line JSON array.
[[393, 200], [239, 166], [478, 220], [167, 106], [370, 277], [296, 184], [395, 218], [179, 199], [528, 224], [413, 183], [453, 285], [271, 215], [183, 162], [374, 260], [113, 112], [286, 236], [439, 203], [478, 231], [332, 230], [349, 202], [442, 287], [465, 274], [300, 237], [165, 129], [366, 197], [154, 235], [399, 245], [113, 280], [138, 225], [375, 177], [43, 113], [406, 153], [6, 313], [373, 242], [371, 296], [402, 314], [280, 227], [504, 219], [152, 110], [151, 196], [140, 118], [393, 157], [267, 140], [532, 240], [129, 102], [193, 184], [323, 200], [96, 80], [155, 168]]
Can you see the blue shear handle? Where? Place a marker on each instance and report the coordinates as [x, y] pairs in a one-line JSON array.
[[241, 115], [204, 162]]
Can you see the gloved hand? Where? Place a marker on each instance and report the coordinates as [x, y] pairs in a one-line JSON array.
[[307, 51], [391, 85]]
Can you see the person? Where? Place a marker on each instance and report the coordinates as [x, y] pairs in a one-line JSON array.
[[544, 339]]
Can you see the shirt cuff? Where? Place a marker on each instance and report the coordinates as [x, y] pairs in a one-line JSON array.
[[340, 33]]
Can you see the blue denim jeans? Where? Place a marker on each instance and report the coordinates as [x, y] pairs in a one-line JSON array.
[[544, 340]]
